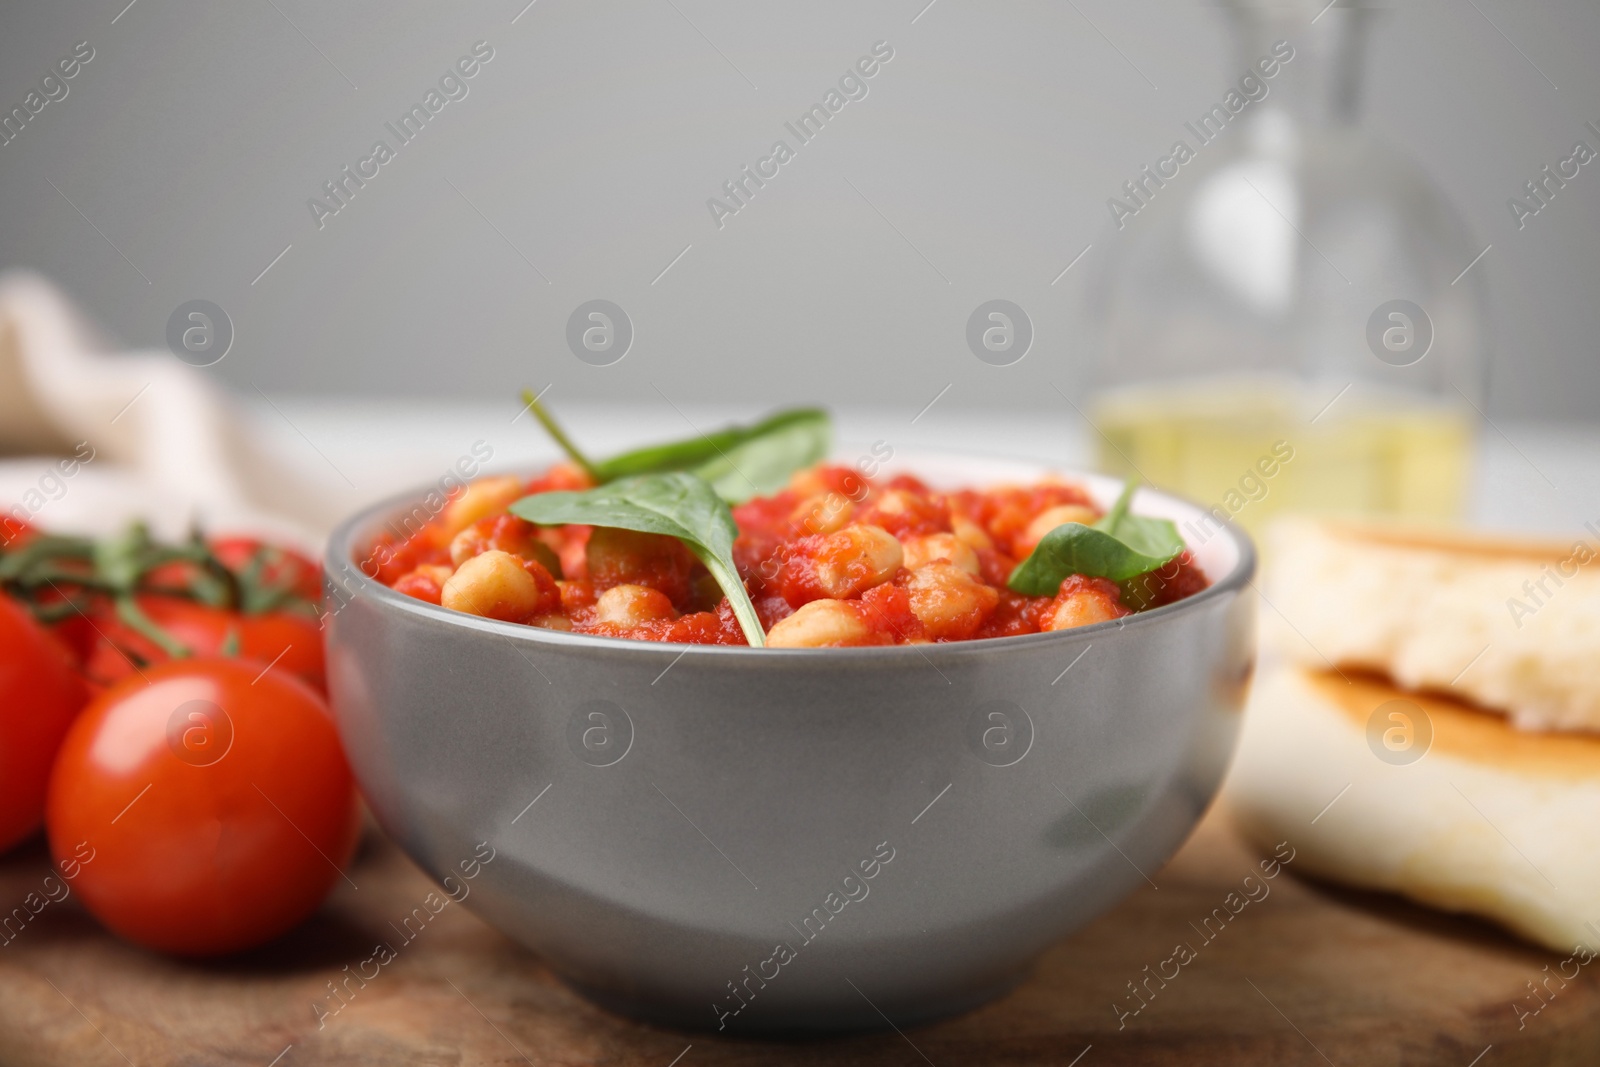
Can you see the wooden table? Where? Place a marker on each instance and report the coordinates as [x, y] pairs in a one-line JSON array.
[[1307, 975]]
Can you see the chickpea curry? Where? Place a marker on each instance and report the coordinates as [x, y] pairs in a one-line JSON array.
[[831, 558]]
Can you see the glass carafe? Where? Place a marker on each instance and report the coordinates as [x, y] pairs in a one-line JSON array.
[[1290, 321]]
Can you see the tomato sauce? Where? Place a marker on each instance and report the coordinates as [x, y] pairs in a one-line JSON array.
[[833, 559]]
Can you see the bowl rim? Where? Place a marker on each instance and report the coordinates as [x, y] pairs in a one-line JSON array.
[[354, 583]]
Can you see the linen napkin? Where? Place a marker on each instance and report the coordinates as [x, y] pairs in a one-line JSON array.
[[92, 438]]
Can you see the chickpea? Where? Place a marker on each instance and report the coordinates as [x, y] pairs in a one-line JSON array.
[[969, 532], [572, 551], [551, 622], [495, 585], [466, 544], [1049, 519], [905, 511], [633, 605], [576, 595], [425, 582], [948, 601], [617, 557], [856, 558], [920, 551], [897, 502], [808, 482], [821, 624], [1084, 602], [823, 513], [479, 500], [439, 573], [507, 533]]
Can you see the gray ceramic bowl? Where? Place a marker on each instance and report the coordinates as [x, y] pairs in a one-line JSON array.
[[790, 841]]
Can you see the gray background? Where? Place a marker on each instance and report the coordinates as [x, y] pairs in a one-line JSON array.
[[587, 148]]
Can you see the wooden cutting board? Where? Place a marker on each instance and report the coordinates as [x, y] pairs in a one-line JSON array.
[[1306, 975]]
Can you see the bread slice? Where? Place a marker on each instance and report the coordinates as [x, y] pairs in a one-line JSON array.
[[1427, 797], [1513, 626]]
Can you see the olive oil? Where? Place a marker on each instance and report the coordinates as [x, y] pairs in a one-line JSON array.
[[1251, 449]]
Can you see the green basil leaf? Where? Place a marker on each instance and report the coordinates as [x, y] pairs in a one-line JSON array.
[[763, 462], [1156, 539], [1152, 537], [1118, 546], [741, 461], [674, 503], [1118, 510]]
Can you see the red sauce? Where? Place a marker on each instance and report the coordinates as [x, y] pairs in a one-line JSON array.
[[891, 562]]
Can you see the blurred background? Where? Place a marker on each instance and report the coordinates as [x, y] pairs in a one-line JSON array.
[[1240, 302]]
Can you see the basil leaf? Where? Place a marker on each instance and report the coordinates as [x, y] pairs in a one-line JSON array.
[[1074, 548], [1152, 537], [741, 461], [674, 503], [1119, 546], [762, 463]]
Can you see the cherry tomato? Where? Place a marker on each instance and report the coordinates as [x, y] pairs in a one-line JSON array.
[[280, 567], [217, 805], [291, 639], [40, 694], [14, 533], [263, 565]]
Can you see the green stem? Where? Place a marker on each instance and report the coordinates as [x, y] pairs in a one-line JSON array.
[[233, 590], [130, 613], [55, 576], [554, 430], [54, 612], [1120, 508], [18, 562]]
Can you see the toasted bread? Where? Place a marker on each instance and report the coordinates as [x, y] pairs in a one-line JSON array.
[[1424, 796], [1513, 626]]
